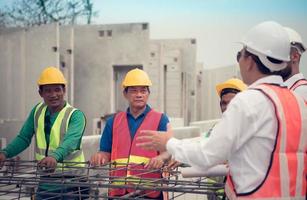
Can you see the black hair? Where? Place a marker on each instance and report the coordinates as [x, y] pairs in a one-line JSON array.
[[126, 89], [41, 87], [229, 90], [261, 67]]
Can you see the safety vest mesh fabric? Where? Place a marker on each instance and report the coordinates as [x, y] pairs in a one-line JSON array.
[[57, 132], [128, 159], [285, 176], [298, 83]]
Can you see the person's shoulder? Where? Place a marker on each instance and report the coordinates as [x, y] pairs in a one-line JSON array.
[[248, 98], [77, 113], [35, 107], [164, 116]]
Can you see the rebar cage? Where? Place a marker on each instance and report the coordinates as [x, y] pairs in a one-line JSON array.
[[22, 179]]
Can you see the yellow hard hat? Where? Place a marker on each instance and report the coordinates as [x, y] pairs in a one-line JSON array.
[[136, 77], [51, 75], [232, 83]]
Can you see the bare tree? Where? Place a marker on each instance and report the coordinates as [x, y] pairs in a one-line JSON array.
[[38, 12]]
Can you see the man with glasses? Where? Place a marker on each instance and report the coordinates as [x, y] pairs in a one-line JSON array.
[[295, 80], [262, 134], [117, 144]]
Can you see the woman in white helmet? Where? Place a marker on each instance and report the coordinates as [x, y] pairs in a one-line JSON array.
[[265, 162]]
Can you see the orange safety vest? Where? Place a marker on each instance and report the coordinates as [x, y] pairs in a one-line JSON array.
[[285, 176], [128, 159], [298, 83]]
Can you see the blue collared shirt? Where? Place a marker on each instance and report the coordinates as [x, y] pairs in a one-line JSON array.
[[133, 123]]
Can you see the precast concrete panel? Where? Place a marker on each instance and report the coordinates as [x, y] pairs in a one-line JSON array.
[[178, 55], [12, 74], [66, 50], [41, 51], [211, 77], [156, 74], [97, 49]]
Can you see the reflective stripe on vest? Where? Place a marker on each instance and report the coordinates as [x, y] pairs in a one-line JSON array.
[[298, 83], [57, 133], [285, 177], [125, 149]]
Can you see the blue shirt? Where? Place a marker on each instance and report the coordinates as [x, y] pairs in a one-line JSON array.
[[133, 123]]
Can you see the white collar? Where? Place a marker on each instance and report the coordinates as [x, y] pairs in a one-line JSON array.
[[289, 82], [268, 79]]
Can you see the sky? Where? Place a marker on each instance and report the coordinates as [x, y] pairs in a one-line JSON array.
[[217, 25]]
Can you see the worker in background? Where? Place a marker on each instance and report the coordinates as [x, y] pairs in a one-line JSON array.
[[58, 128], [295, 80], [227, 91], [117, 144], [262, 134]]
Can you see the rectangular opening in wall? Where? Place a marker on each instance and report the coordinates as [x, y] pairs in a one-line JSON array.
[[145, 26], [109, 33], [101, 33]]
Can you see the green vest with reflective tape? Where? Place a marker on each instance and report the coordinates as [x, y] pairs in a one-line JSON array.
[[57, 132]]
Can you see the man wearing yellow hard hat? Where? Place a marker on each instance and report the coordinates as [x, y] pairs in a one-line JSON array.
[[117, 144], [228, 90], [58, 128]]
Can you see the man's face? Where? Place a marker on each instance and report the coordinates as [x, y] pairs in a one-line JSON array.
[[137, 96], [53, 95], [225, 100]]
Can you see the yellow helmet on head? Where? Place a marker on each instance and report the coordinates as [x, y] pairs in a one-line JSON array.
[[232, 83], [51, 75], [136, 77]]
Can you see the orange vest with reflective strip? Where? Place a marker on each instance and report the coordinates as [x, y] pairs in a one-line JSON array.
[[285, 177], [298, 83], [125, 150]]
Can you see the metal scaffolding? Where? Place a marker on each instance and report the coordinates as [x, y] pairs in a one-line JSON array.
[[25, 180]]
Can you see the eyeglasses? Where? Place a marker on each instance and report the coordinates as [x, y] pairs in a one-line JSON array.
[[239, 56]]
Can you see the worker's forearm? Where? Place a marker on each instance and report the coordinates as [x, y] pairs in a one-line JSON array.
[[19, 144]]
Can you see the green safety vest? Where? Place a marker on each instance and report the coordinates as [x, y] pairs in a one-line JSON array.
[[57, 132]]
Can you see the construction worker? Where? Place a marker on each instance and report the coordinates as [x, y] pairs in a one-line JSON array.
[[228, 90], [117, 144], [262, 134], [296, 80], [58, 128]]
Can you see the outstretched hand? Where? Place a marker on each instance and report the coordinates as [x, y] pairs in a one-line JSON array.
[[154, 140]]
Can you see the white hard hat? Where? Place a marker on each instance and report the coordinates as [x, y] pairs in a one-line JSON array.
[[295, 38], [269, 39]]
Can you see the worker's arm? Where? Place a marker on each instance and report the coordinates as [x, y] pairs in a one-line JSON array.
[[72, 138], [23, 139]]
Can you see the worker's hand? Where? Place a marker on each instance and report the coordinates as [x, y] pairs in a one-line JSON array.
[[172, 164], [155, 163], [154, 140], [48, 162], [2, 159], [100, 158]]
